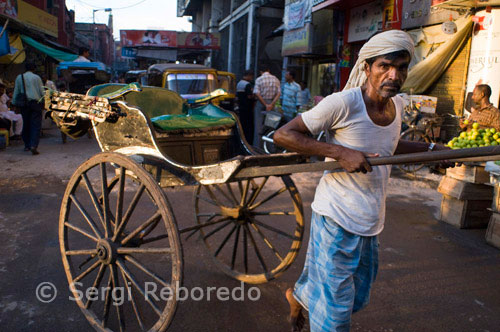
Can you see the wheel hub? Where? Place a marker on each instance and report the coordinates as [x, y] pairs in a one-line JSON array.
[[106, 251], [238, 213]]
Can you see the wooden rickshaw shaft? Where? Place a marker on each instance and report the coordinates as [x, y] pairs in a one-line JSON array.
[[461, 155]]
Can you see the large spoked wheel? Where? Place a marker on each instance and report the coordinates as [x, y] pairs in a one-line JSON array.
[[253, 228], [118, 238], [268, 143], [414, 135]]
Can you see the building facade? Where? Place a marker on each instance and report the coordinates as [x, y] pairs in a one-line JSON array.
[[48, 23], [246, 29]]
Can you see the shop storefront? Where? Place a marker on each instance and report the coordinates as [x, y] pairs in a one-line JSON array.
[[23, 23]]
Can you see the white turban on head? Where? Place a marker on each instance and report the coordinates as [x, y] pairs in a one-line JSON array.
[[380, 44]]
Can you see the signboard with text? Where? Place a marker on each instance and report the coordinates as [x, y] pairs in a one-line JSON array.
[[297, 41], [484, 62], [152, 38], [200, 40], [365, 21], [37, 18], [421, 13], [297, 13]]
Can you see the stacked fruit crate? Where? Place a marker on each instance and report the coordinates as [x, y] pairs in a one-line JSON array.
[[466, 199], [493, 231]]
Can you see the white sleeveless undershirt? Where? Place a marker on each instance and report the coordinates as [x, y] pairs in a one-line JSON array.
[[356, 201]]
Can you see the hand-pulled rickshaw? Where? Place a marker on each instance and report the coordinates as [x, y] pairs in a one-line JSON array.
[[117, 230]]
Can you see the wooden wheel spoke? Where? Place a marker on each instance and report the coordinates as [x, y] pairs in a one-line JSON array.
[[235, 247], [245, 193], [231, 192], [81, 252], [274, 213], [209, 201], [256, 193], [225, 241], [87, 217], [96, 283], [256, 249], [129, 212], [81, 231], [87, 271], [119, 199], [268, 198], [132, 250], [271, 228], [216, 230], [210, 215], [266, 241], [148, 229], [208, 222], [134, 282], [153, 219], [107, 302], [155, 238], [226, 196], [119, 308], [197, 228], [146, 270], [212, 195], [105, 200], [240, 188], [93, 197], [132, 299]]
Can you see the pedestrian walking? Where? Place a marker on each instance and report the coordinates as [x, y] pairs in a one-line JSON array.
[[244, 92], [267, 92], [290, 103], [362, 121], [28, 92]]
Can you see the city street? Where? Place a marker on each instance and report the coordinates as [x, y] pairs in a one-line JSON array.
[[432, 276]]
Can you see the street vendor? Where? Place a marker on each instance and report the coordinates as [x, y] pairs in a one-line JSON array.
[[485, 114], [364, 120]]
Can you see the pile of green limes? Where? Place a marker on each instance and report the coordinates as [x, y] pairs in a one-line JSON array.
[[475, 138]]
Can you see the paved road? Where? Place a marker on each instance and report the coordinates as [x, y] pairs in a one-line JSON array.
[[432, 277]]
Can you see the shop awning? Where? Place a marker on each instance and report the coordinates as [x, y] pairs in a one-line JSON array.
[[52, 52]]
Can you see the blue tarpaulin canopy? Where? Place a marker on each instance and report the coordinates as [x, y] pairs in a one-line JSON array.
[[52, 52]]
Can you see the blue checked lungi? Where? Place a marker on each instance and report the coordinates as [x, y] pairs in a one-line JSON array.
[[339, 270]]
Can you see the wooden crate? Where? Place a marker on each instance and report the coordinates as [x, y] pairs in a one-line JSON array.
[[469, 173], [465, 190], [465, 213], [493, 231]]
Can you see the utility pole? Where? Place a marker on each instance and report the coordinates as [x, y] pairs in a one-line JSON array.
[[94, 27]]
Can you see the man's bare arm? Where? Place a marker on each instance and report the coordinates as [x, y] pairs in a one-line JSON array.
[[294, 136], [271, 106], [259, 97]]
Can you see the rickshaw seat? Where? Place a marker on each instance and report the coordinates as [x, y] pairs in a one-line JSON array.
[[168, 111], [153, 101]]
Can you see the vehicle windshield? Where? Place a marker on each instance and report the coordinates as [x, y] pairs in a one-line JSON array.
[[189, 85]]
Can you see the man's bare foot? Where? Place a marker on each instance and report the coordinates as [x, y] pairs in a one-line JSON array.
[[296, 317]]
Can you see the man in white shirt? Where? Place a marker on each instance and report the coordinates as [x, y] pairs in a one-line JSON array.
[[83, 55], [30, 84], [362, 121]]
